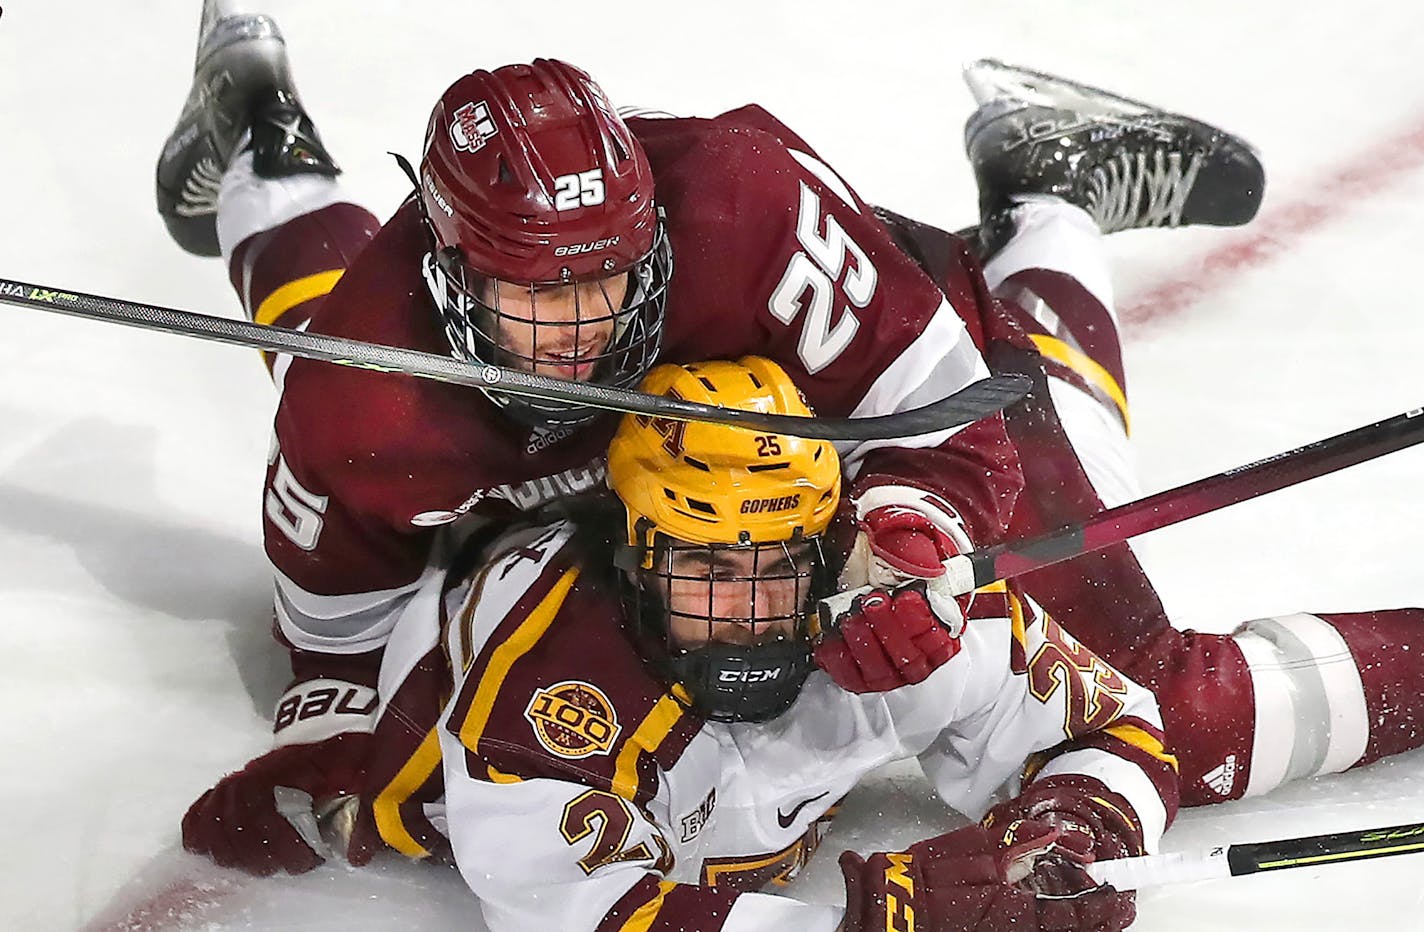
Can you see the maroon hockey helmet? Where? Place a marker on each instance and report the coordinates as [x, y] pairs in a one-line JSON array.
[[529, 177]]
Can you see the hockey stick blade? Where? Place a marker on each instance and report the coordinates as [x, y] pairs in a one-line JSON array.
[[1254, 857], [967, 572], [973, 402]]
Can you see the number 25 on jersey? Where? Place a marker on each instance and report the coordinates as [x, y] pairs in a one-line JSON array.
[[810, 283]]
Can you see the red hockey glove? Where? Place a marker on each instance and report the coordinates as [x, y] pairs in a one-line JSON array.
[[267, 816], [896, 636], [887, 640], [907, 542], [262, 818]]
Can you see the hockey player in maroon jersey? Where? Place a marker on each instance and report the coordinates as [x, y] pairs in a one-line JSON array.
[[542, 236], [373, 475], [636, 736]]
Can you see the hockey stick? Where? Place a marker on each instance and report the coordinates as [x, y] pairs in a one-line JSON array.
[[1255, 857], [971, 403], [967, 572]]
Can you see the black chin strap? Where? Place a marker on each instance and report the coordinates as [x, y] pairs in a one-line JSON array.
[[406, 167], [410, 173]]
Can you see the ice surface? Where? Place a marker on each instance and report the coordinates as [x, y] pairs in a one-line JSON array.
[[135, 664]]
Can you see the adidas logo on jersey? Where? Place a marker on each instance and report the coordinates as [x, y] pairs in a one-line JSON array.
[[542, 437], [1222, 777]]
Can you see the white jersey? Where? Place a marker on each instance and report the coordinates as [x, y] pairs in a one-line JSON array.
[[580, 794]]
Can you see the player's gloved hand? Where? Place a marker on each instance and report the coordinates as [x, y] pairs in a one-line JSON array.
[[1021, 870], [269, 816], [903, 544], [887, 640], [1092, 824], [895, 636], [265, 817]]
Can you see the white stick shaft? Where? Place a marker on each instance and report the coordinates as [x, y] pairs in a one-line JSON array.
[[1156, 869], [957, 579]]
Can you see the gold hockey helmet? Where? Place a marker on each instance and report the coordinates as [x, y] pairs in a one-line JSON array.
[[716, 484], [722, 558]]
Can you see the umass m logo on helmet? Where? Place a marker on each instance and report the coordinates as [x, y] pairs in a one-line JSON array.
[[470, 126]]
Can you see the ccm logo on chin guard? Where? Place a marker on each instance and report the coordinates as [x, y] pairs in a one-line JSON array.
[[580, 248], [749, 676]]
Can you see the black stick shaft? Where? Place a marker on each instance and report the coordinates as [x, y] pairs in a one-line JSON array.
[[969, 571], [978, 400], [1254, 857], [1258, 856]]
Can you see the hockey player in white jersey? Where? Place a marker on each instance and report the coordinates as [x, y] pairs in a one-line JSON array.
[[638, 737]]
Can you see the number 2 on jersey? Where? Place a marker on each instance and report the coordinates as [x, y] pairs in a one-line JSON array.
[[608, 819]]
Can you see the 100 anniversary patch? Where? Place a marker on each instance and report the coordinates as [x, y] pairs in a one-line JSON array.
[[573, 719]]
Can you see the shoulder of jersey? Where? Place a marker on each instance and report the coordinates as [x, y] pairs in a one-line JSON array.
[[361, 428], [723, 146], [553, 685]]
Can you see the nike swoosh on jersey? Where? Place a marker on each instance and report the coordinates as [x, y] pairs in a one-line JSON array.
[[784, 819]]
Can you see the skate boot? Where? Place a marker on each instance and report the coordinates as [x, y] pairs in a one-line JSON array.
[[242, 96], [1127, 163]]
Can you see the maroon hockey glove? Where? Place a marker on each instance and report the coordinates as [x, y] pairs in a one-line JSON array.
[[887, 640], [250, 819], [1022, 870], [953, 883], [895, 636], [270, 815], [1092, 824]]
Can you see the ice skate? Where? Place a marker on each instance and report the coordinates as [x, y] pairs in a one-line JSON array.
[[241, 84], [1127, 163]]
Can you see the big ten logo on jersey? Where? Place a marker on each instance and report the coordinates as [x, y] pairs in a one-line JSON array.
[[826, 264], [695, 821], [316, 698], [573, 719]]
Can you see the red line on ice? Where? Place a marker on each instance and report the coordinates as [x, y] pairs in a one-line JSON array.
[[185, 902], [1278, 229]]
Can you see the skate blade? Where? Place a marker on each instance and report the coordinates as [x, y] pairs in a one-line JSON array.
[[990, 79], [214, 10]]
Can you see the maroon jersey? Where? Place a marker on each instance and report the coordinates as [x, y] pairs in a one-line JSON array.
[[774, 254]]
